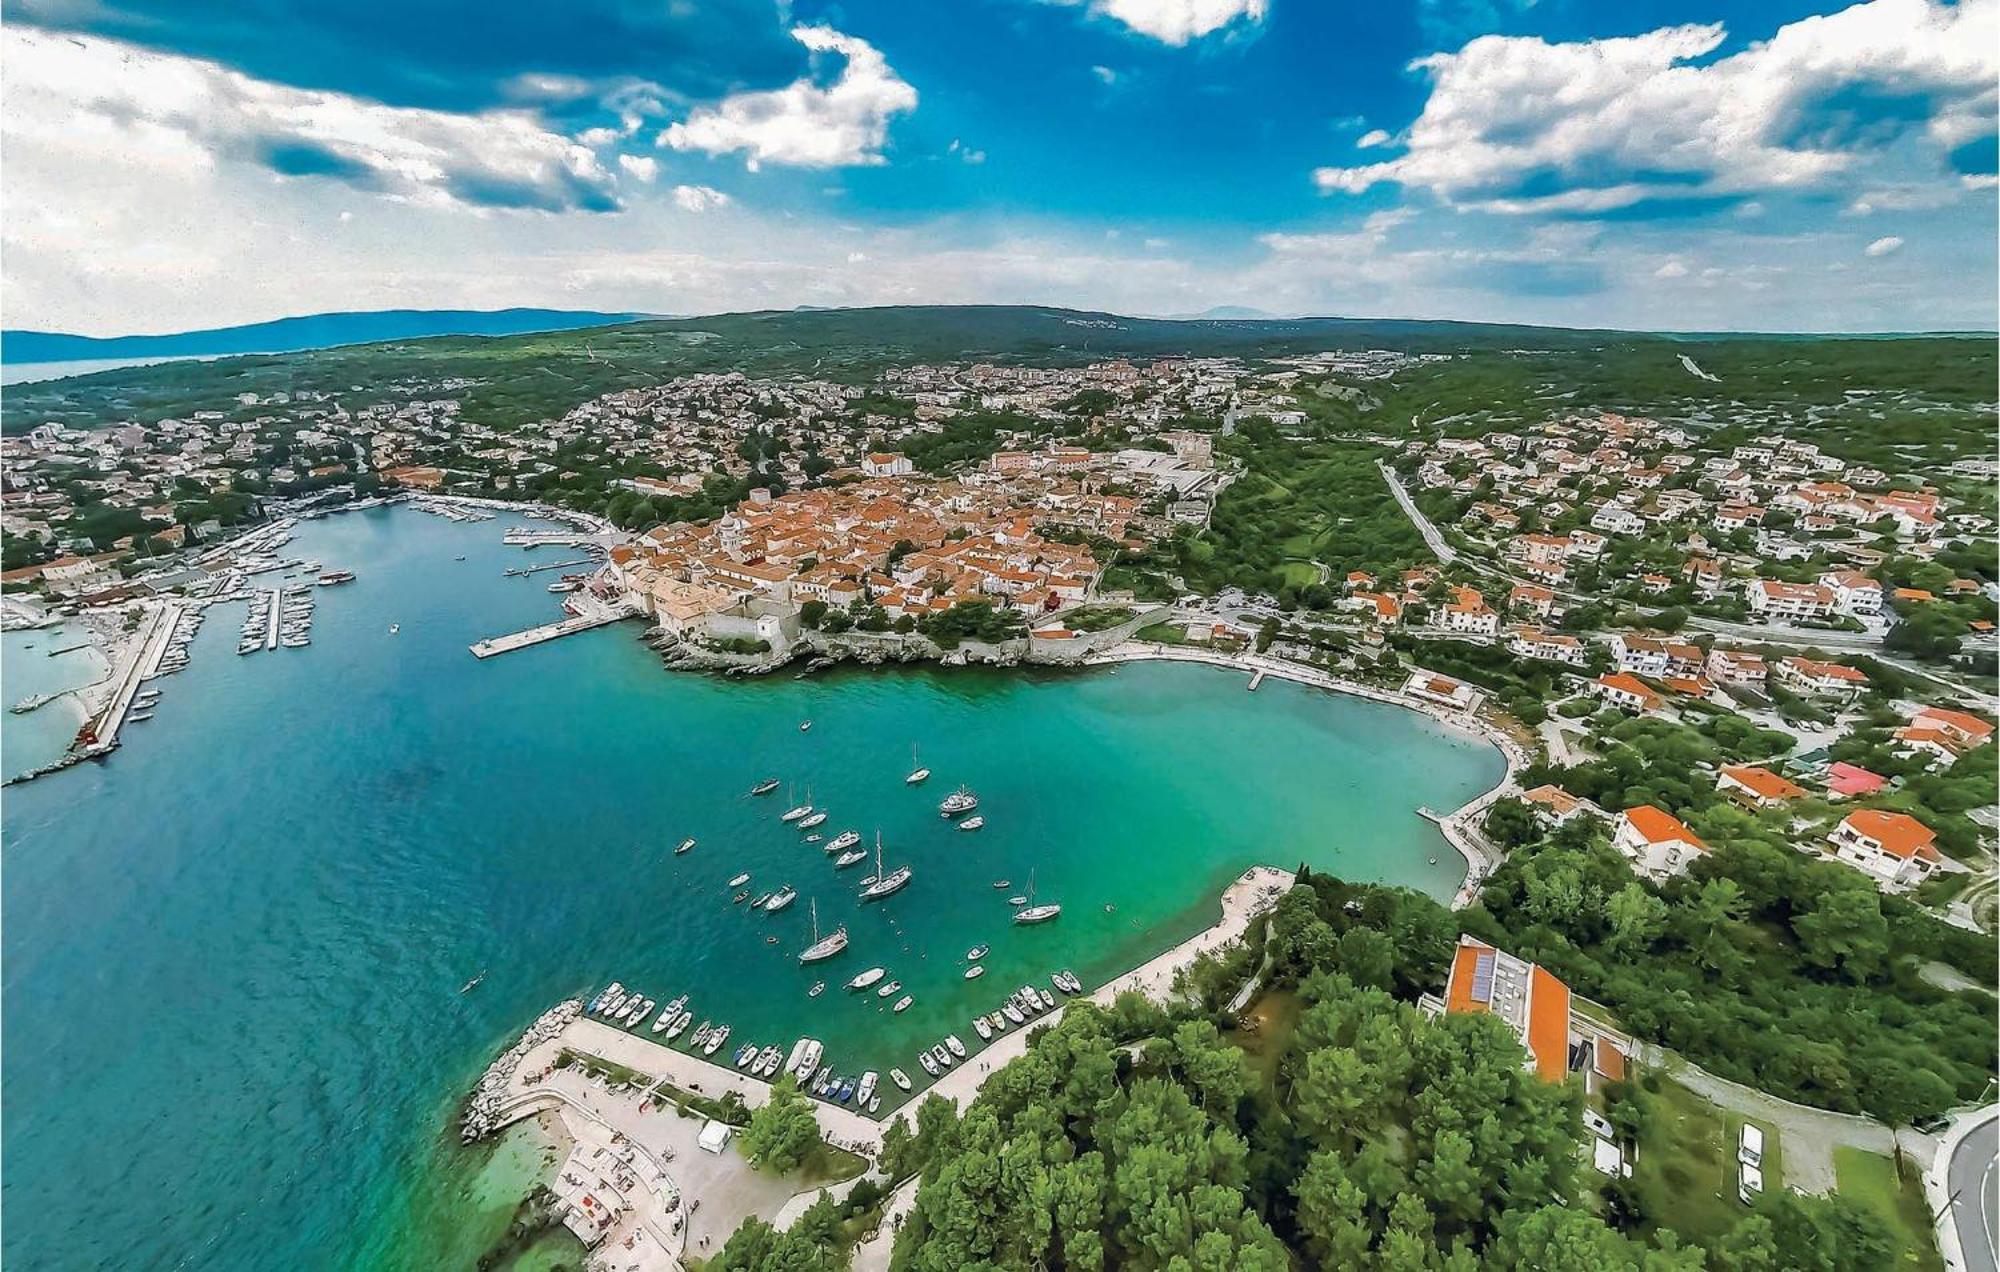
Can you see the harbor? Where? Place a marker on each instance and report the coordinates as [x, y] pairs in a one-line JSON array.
[[520, 816], [666, 1163]]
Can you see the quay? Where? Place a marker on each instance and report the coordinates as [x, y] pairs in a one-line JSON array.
[[678, 1198], [612, 613], [1258, 679], [524, 570]]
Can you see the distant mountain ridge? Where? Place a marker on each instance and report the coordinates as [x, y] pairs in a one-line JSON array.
[[293, 335]]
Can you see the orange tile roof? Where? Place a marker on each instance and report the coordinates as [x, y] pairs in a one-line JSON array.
[[1762, 782], [1658, 826], [1548, 1025], [1900, 834]]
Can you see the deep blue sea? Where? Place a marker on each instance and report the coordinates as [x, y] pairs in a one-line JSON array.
[[233, 951]]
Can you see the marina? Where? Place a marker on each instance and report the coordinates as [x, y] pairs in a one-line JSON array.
[[441, 783]]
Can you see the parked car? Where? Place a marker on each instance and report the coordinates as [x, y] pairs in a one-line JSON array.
[[1749, 1183], [1750, 1146]]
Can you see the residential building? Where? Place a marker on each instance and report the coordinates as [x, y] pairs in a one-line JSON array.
[[1627, 692], [1895, 849], [1656, 842], [1531, 1001], [1442, 690], [1788, 602], [1821, 679], [1756, 786]]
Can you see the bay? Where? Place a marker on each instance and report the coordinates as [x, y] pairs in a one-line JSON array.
[[234, 950]]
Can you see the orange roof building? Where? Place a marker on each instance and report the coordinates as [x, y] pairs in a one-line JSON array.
[[1528, 999], [1756, 786], [1895, 849]]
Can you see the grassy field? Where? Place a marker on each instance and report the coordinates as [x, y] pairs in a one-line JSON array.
[[1685, 1169], [1276, 1015], [1871, 1180], [1162, 634]]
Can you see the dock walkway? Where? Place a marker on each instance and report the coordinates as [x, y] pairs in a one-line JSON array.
[[507, 644]]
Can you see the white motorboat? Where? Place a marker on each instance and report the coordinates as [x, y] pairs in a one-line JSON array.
[[765, 787], [679, 1027], [715, 1041], [930, 1065], [701, 1033], [888, 989], [984, 1030], [1013, 1012], [1048, 999], [959, 801], [811, 820], [843, 841], [780, 899], [900, 1078], [974, 972], [957, 1047], [740, 880], [943, 1057], [686, 844], [903, 1003], [864, 1092], [976, 953], [867, 978], [974, 822], [853, 857]]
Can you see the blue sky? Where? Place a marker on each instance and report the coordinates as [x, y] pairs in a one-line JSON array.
[[178, 163]]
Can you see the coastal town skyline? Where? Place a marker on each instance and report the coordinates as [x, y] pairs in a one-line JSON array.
[[854, 636], [1707, 165]]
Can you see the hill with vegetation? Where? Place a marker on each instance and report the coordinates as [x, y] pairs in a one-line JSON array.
[[506, 381]]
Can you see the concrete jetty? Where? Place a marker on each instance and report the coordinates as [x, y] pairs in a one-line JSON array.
[[507, 644]]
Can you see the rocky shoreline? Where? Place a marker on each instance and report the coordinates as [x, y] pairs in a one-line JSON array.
[[483, 1105]]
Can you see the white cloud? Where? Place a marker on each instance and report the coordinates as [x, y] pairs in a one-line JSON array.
[[1671, 269], [965, 152], [698, 198], [107, 103], [1372, 138], [1516, 124], [1176, 22], [1884, 246], [1105, 75], [644, 167], [844, 123]]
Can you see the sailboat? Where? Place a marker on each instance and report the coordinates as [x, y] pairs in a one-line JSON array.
[[797, 811], [1033, 913], [884, 884], [823, 947], [917, 771]]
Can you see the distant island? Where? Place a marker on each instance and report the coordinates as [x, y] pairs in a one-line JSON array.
[[292, 335]]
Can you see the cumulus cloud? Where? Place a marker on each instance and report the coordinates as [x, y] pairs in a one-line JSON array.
[[1521, 125], [964, 152], [1671, 269], [1372, 138], [1884, 246], [111, 103], [804, 124], [1176, 22], [698, 198], [644, 167]]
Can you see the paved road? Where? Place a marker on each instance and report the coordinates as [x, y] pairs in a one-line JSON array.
[[1975, 1189], [1794, 637], [1443, 551]]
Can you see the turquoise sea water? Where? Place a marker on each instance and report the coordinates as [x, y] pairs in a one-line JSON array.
[[233, 951]]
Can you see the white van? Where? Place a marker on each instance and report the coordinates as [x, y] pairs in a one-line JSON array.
[[1750, 1146]]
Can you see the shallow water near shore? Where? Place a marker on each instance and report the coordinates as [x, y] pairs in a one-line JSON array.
[[234, 950]]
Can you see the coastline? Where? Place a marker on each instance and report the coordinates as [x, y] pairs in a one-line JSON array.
[[1459, 827]]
